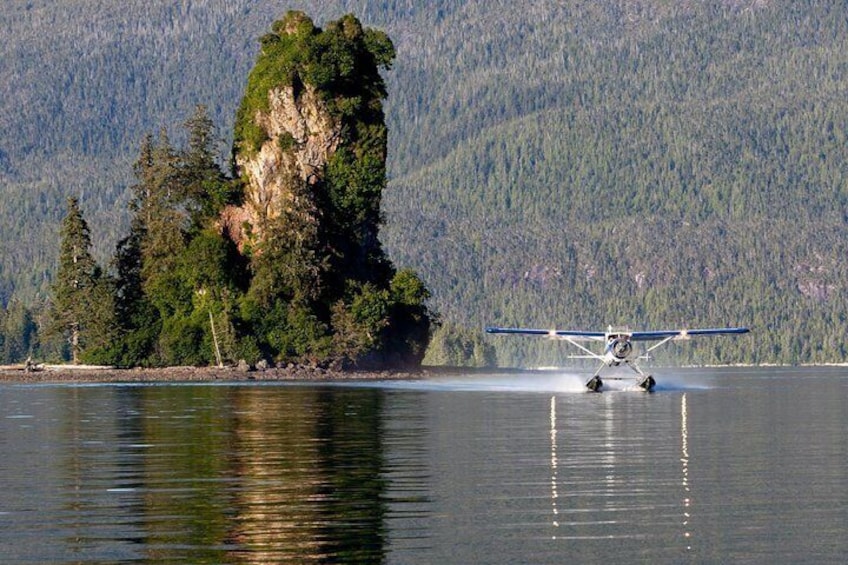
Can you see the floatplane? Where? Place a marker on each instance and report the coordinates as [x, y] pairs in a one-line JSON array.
[[618, 348]]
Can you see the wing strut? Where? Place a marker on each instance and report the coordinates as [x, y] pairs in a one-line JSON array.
[[588, 351], [663, 342]]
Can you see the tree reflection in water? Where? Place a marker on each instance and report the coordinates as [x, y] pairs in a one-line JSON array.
[[261, 474]]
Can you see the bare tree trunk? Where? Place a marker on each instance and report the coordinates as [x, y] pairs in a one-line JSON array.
[[75, 344]]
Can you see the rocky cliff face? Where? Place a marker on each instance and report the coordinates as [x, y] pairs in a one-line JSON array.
[[301, 135], [310, 153]]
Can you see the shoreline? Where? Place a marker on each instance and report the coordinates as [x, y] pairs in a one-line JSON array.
[[58, 374]]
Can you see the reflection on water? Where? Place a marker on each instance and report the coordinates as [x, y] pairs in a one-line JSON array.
[[554, 466], [310, 483], [240, 475], [684, 461], [738, 467]]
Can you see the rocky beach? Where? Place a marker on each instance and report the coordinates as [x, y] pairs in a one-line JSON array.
[[60, 374]]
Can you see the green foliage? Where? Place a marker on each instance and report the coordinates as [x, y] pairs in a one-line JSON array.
[[292, 332], [359, 323], [409, 290], [278, 65], [380, 47], [639, 177], [181, 342], [410, 319], [207, 190], [175, 274], [138, 321], [18, 333], [343, 66], [455, 346], [342, 62], [317, 289], [289, 266], [211, 265], [102, 328], [136, 342], [286, 141]]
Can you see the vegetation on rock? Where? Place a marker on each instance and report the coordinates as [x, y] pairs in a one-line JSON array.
[[322, 285], [305, 281]]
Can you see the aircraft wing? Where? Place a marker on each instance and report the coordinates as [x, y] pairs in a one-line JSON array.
[[683, 334], [575, 335], [635, 336]]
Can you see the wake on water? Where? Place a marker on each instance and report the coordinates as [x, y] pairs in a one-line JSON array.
[[536, 381]]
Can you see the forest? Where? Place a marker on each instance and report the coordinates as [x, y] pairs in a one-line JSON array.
[[551, 164]]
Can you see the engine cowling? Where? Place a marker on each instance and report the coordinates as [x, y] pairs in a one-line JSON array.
[[620, 348]]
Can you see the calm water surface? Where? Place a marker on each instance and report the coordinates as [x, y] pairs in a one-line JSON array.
[[722, 465]]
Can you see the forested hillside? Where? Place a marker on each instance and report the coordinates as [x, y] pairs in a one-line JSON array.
[[551, 163], [653, 166]]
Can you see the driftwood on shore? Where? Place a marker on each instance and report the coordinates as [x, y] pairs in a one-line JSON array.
[[12, 368], [77, 367], [30, 367]]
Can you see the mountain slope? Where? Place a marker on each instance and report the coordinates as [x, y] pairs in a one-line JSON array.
[[689, 170]]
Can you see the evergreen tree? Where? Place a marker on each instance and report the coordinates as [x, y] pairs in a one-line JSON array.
[[78, 294], [138, 322], [18, 333], [176, 274], [206, 187], [165, 222]]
